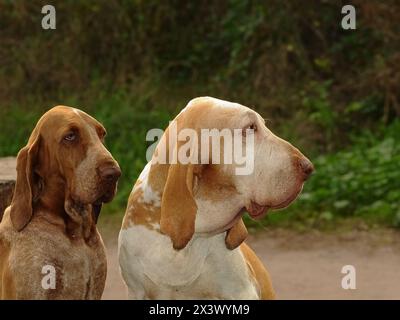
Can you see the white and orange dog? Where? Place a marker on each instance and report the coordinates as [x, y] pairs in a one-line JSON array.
[[182, 234]]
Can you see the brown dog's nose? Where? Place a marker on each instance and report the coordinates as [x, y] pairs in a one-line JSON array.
[[307, 167], [110, 173]]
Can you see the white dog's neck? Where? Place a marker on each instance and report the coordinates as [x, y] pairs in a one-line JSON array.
[[162, 264], [157, 258]]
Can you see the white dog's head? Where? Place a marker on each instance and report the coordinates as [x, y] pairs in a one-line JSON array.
[[210, 194]]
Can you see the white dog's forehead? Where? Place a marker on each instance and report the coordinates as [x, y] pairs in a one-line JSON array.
[[227, 110], [227, 104], [212, 101], [241, 115]]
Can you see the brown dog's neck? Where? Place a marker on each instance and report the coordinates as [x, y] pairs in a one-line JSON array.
[[77, 220], [81, 222], [50, 195]]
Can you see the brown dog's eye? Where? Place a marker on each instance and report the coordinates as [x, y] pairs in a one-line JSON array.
[[70, 137]]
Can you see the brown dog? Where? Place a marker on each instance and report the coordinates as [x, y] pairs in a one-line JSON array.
[[49, 244]]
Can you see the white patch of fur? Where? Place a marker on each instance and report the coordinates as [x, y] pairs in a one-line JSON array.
[[215, 215], [145, 172], [150, 264], [149, 196]]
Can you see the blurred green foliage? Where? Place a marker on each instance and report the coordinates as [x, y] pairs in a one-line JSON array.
[[133, 64]]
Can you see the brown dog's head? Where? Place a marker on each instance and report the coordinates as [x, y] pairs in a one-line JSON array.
[[65, 160]]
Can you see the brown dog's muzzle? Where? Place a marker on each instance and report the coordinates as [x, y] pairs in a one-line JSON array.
[[108, 174]]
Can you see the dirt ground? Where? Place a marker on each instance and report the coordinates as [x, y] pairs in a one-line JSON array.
[[7, 168], [306, 265]]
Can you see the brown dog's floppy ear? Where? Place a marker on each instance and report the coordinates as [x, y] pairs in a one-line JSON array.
[[236, 235], [21, 205], [178, 207]]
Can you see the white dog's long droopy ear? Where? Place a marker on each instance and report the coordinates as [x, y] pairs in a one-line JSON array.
[[178, 207], [236, 235]]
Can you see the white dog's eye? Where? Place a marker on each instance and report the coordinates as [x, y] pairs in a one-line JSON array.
[[252, 127], [102, 135]]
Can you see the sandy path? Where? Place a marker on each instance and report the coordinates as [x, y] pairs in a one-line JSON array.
[[308, 266], [7, 168]]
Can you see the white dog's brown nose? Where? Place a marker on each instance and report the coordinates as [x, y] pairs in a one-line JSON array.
[[110, 173], [307, 167]]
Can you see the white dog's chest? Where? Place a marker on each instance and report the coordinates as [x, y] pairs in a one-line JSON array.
[[205, 269]]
